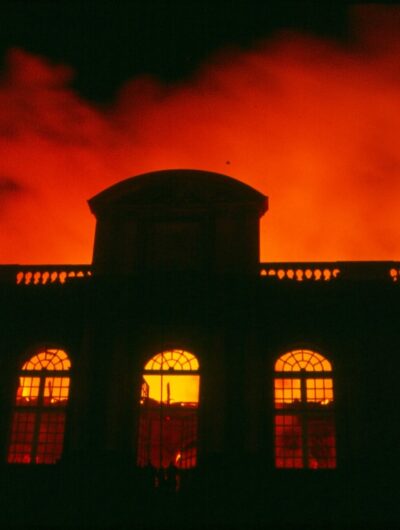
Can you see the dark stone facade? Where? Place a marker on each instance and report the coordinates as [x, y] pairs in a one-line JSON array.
[[202, 292]]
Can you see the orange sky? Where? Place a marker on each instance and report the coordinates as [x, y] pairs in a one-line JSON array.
[[314, 126]]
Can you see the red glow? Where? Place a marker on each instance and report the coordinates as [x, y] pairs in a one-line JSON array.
[[38, 424], [304, 432], [314, 126], [168, 417]]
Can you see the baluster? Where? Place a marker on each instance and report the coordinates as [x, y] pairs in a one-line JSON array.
[[299, 275], [327, 274], [317, 274]]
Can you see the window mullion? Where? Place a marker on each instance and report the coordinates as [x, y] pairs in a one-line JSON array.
[[38, 417], [303, 418]]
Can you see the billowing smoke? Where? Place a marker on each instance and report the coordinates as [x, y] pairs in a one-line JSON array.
[[312, 124]]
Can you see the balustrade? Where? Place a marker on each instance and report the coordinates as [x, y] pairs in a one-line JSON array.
[[282, 271], [47, 275], [332, 271]]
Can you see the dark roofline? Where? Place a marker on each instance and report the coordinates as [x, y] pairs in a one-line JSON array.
[[174, 186]]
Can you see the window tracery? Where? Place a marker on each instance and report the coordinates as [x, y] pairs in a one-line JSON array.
[[38, 422], [304, 420], [169, 402]]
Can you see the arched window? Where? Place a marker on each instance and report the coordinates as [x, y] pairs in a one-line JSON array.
[[168, 411], [38, 423], [304, 421]]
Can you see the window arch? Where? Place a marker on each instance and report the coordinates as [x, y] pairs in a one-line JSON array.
[[304, 419], [38, 421], [169, 402]]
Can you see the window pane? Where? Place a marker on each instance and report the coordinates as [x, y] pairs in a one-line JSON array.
[[168, 422], [307, 360], [288, 442], [319, 391], [321, 449], [50, 437], [287, 392], [306, 438], [168, 437], [22, 433], [180, 390], [37, 433], [28, 391], [48, 360], [173, 359], [168, 413], [56, 390]]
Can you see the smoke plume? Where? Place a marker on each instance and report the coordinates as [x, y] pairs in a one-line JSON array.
[[314, 125]]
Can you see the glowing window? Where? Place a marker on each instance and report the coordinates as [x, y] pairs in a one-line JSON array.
[[38, 424], [168, 411], [173, 360], [304, 420]]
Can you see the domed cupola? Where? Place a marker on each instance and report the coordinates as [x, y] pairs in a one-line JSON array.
[[177, 220]]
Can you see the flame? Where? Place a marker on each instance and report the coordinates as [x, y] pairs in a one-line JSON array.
[[312, 124]]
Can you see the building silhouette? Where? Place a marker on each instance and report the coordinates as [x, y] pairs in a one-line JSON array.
[[179, 382]]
